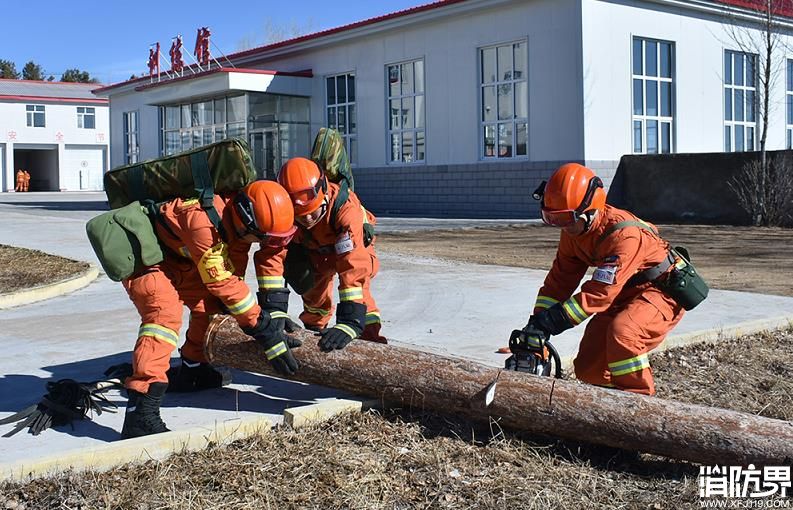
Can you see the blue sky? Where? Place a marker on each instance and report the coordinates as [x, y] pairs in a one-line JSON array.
[[111, 39]]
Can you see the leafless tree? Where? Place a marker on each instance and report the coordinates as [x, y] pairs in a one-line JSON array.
[[761, 37], [766, 193], [273, 32]]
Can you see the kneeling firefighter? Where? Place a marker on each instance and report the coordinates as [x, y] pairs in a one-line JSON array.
[[204, 269], [339, 240], [637, 293]]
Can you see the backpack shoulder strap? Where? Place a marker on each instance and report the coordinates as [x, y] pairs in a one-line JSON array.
[[205, 190], [622, 224], [341, 199]]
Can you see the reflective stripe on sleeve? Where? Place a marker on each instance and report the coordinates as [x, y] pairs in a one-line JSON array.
[[372, 318], [275, 351], [318, 311], [351, 293], [574, 312], [630, 365], [545, 302], [160, 333], [277, 314], [346, 329], [243, 306], [271, 282]]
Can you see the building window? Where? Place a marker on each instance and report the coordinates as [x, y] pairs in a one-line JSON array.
[[740, 86], [186, 126], [340, 107], [35, 114], [653, 96], [406, 112], [505, 101], [131, 146], [86, 117], [789, 105]]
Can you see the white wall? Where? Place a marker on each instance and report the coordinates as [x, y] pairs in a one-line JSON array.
[[60, 130], [700, 41], [449, 46]]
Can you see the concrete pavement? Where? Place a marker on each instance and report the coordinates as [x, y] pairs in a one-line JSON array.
[[459, 309]]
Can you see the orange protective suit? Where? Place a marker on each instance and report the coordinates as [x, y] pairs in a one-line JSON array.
[[200, 271], [20, 181], [629, 320], [26, 183], [331, 254]]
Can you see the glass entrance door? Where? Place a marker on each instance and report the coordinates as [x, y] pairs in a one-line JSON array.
[[264, 149]]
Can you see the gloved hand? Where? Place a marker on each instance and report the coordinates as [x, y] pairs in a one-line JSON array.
[[552, 320], [277, 300], [271, 336], [532, 337], [350, 319]]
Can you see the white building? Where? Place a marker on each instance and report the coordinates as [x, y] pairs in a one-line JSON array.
[[461, 107], [58, 132]]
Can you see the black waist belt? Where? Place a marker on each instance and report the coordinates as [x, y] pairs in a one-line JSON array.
[[655, 272]]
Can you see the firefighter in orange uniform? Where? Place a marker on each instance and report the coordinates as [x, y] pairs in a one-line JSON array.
[[20, 180], [631, 315], [26, 184], [204, 269], [343, 245]]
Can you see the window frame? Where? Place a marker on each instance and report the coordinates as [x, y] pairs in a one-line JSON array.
[[390, 132], [88, 112], [789, 102], [131, 149], [190, 113], [731, 125], [643, 78], [483, 124], [32, 114], [349, 135]]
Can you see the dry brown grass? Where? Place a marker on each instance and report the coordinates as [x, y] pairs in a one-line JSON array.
[[21, 268], [401, 460]]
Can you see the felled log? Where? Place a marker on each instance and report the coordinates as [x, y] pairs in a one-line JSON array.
[[542, 405]]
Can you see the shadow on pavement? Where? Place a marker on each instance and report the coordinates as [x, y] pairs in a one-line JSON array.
[[258, 394], [98, 205]]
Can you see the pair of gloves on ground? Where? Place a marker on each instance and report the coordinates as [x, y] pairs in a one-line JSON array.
[[273, 324]]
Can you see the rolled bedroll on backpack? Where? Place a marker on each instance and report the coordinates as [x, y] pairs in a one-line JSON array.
[[220, 167]]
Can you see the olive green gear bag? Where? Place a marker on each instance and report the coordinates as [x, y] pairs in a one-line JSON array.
[[124, 241], [220, 167]]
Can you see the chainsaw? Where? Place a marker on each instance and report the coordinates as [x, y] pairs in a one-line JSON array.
[[532, 360]]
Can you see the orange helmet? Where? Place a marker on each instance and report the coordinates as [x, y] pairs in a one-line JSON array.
[[305, 183], [263, 209], [572, 191]]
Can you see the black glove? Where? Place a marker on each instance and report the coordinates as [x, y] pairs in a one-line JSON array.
[[350, 320], [530, 337], [271, 336], [552, 320], [277, 300]]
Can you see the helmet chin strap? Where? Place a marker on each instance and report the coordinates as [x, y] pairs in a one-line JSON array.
[[589, 218]]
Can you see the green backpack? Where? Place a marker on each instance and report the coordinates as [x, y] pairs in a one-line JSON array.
[[331, 157], [122, 241]]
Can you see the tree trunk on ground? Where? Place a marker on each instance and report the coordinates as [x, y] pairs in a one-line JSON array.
[[567, 409]]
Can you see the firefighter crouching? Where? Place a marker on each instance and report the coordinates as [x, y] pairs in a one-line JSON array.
[[631, 313], [204, 269], [340, 243]]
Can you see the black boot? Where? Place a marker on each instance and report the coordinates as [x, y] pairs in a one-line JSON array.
[[143, 412], [195, 376]]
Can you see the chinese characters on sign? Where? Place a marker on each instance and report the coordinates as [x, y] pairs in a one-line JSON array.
[[12, 135], [740, 482], [100, 138], [58, 136], [154, 60], [176, 55], [201, 51]]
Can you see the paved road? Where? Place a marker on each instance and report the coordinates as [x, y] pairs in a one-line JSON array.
[[461, 309]]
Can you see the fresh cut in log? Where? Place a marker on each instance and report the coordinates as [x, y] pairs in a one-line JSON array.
[[542, 405]]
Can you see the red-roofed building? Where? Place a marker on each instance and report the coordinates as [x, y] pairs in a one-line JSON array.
[[461, 107], [58, 132]]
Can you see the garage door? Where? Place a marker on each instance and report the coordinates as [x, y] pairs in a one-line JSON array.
[[82, 169]]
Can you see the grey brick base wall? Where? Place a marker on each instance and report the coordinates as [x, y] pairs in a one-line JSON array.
[[482, 190]]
